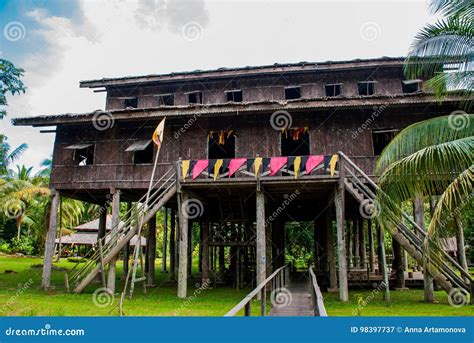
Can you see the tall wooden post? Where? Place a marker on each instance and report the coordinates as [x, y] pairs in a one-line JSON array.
[[115, 226], [362, 244], [183, 247], [349, 239], [151, 251], [190, 247], [355, 230], [370, 233], [102, 222], [126, 249], [205, 253], [261, 260], [331, 256], [419, 216], [164, 260], [172, 244], [383, 262], [50, 239], [341, 245], [460, 243], [221, 263], [398, 265]]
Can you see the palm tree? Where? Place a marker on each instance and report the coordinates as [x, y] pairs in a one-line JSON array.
[[444, 51], [7, 155]]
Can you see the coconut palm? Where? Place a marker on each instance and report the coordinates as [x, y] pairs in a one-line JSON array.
[[7, 155], [444, 51]]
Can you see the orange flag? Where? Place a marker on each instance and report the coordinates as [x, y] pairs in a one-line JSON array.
[[158, 134]]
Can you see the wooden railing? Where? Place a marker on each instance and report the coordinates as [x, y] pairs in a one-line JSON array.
[[318, 301], [278, 279]]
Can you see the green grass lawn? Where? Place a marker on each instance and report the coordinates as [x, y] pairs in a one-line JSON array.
[[21, 297]]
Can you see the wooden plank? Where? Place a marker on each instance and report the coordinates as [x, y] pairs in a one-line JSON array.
[[183, 247], [50, 238]]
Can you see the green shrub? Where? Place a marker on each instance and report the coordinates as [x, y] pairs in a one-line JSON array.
[[24, 245]]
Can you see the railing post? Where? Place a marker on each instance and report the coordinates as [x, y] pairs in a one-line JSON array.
[[178, 175], [263, 304], [248, 309]]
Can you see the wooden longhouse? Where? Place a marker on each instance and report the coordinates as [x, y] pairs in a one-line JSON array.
[[327, 121]]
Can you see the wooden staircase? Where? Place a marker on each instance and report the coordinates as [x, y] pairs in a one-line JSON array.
[[441, 266], [111, 245]]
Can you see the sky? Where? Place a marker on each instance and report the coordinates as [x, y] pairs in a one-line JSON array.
[[61, 42]]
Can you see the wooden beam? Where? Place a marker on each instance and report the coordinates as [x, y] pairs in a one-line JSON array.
[[205, 253], [383, 262], [50, 239], [419, 216], [362, 243], [331, 256], [164, 260], [172, 243], [183, 247], [261, 260], [126, 248], [370, 233], [151, 251], [341, 245], [115, 226]]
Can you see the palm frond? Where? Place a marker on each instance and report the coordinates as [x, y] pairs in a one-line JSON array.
[[16, 153], [456, 196], [428, 171], [424, 134], [453, 8]]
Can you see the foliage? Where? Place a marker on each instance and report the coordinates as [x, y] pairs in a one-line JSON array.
[[23, 245], [443, 52], [10, 82]]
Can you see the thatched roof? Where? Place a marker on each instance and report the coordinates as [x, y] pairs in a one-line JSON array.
[[83, 238], [93, 225]]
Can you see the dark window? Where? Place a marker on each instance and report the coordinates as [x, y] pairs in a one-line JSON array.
[[381, 138], [411, 86], [166, 100], [292, 93], [366, 88], [234, 96], [226, 150], [131, 102], [143, 156], [84, 156], [294, 143], [195, 98], [333, 90]]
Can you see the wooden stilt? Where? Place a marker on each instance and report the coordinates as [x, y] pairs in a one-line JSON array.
[[205, 253], [172, 244], [126, 249], [419, 216], [370, 233], [50, 238], [164, 253], [356, 244], [190, 248], [341, 245], [261, 241], [331, 256], [115, 226], [362, 244], [460, 243], [183, 248], [221, 263], [383, 263], [151, 251], [350, 246], [398, 265]]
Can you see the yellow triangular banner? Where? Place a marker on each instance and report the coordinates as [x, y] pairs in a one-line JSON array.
[[257, 164], [297, 165], [185, 168], [332, 164], [217, 167]]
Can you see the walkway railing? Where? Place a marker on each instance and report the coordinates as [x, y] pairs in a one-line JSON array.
[[278, 279], [318, 303]]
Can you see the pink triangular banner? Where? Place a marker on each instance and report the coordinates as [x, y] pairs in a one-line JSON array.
[[276, 163], [199, 167], [313, 162], [235, 164]]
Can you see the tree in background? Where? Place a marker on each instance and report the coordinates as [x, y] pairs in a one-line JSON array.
[[10, 82]]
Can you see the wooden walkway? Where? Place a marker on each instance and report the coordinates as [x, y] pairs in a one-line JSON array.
[[301, 304]]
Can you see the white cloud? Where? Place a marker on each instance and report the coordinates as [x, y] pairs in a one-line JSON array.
[[117, 38]]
